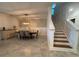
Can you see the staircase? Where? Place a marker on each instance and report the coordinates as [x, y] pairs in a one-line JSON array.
[[60, 40]]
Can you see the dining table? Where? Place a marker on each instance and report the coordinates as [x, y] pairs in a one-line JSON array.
[[33, 34]]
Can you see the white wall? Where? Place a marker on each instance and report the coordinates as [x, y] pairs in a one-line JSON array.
[[65, 14], [50, 30], [8, 21], [39, 24]]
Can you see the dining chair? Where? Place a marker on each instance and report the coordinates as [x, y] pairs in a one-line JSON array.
[[21, 34], [27, 35], [37, 34]]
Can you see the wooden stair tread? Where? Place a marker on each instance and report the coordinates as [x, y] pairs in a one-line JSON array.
[[60, 41], [59, 33], [59, 44], [60, 36], [62, 46], [58, 30]]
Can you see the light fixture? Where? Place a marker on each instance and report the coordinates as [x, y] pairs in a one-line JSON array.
[[25, 23], [71, 9]]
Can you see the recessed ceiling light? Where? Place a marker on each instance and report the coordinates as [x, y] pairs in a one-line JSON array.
[[71, 9]]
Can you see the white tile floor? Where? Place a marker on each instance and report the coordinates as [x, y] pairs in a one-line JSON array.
[[33, 47]]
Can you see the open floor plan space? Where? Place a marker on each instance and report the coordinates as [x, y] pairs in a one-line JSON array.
[[39, 29]]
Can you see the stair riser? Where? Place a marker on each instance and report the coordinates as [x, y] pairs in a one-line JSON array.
[[59, 34], [63, 46], [58, 37], [58, 31], [60, 41]]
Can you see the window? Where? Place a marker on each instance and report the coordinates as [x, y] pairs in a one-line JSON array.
[[53, 8], [52, 11]]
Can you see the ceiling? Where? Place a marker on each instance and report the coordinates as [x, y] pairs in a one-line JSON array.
[[35, 10]]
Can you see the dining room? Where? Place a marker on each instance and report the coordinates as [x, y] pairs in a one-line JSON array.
[[23, 29], [23, 20]]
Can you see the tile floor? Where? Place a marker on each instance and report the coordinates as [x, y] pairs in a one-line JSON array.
[[30, 48]]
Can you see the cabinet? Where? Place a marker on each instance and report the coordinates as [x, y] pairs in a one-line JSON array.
[[6, 34]]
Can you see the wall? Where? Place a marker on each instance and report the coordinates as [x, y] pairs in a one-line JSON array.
[[63, 14], [59, 16], [39, 24], [8, 21], [50, 30]]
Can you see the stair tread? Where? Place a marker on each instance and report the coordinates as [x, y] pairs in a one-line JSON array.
[[59, 31], [60, 38], [63, 36], [61, 43], [62, 46], [59, 35], [63, 39]]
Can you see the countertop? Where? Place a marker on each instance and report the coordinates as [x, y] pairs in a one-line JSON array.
[[7, 30]]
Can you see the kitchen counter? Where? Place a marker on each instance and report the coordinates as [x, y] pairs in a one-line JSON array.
[[7, 30], [5, 34]]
